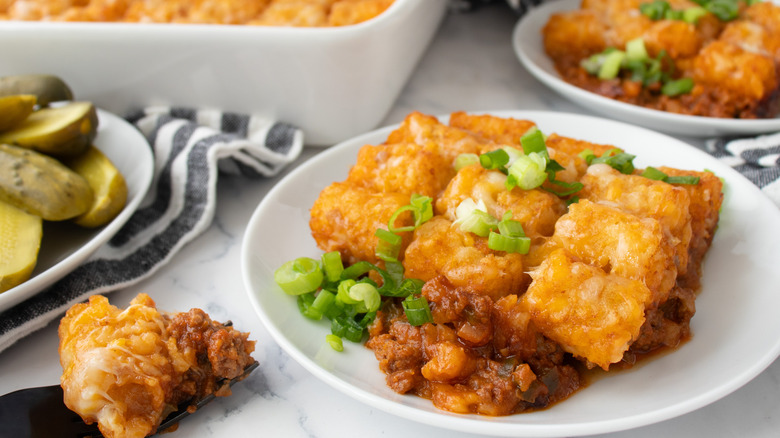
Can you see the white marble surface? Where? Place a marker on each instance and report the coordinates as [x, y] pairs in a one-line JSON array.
[[469, 66]]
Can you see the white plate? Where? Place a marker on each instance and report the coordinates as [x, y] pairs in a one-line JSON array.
[[65, 245], [528, 45], [735, 329]]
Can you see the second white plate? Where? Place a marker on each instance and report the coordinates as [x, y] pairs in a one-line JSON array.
[[734, 330], [529, 48]]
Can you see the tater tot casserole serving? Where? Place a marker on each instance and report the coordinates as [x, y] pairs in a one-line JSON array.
[[492, 267], [713, 58]]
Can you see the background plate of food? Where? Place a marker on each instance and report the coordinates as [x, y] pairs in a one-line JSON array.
[[733, 330], [530, 47], [64, 244]]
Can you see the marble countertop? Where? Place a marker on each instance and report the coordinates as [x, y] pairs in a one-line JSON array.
[[470, 66]]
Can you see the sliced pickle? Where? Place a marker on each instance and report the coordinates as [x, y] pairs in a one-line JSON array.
[[47, 88], [41, 185], [62, 131], [108, 185], [20, 240]]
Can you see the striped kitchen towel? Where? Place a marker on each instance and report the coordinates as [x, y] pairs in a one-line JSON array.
[[756, 157], [191, 147]]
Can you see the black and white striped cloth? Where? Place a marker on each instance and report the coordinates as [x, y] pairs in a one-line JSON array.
[[190, 149], [757, 158]]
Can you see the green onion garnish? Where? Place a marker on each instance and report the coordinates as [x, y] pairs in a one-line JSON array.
[[495, 159], [421, 208], [366, 297], [611, 66], [677, 87], [527, 172], [389, 245], [725, 10], [499, 242], [465, 160], [332, 265], [533, 141], [655, 174], [655, 10], [636, 51], [299, 276], [692, 15], [417, 310], [335, 342], [620, 161]]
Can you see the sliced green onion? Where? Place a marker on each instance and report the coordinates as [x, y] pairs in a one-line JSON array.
[[683, 179], [346, 327], [495, 159], [479, 223], [465, 160], [655, 10], [533, 141], [422, 211], [692, 15], [725, 10], [395, 275], [410, 286], [512, 244], [673, 14], [527, 172], [587, 155], [568, 188], [332, 265], [677, 87], [513, 153], [654, 174], [511, 228], [636, 51], [335, 342], [622, 162], [638, 69], [389, 245], [417, 310], [593, 63], [473, 217], [423, 208], [299, 276], [611, 66], [366, 296], [342, 293]]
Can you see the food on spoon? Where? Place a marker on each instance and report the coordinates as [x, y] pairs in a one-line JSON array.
[[20, 240], [46, 88], [128, 369], [308, 13], [541, 257], [62, 131], [107, 183], [41, 185], [14, 109], [717, 58]]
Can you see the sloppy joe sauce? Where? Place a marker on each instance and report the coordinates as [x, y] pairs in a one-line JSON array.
[[490, 360], [702, 101]]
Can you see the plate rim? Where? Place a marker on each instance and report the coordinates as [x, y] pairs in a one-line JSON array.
[[44, 279], [470, 423], [530, 25]]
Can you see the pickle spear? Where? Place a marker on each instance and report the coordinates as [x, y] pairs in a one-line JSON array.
[[14, 109], [41, 185], [20, 240], [62, 131], [108, 186], [47, 88]]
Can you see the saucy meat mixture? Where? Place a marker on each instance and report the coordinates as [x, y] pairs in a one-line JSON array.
[[611, 273], [127, 369], [302, 13], [726, 54]]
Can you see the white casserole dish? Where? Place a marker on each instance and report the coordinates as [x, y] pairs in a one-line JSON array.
[[332, 82]]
